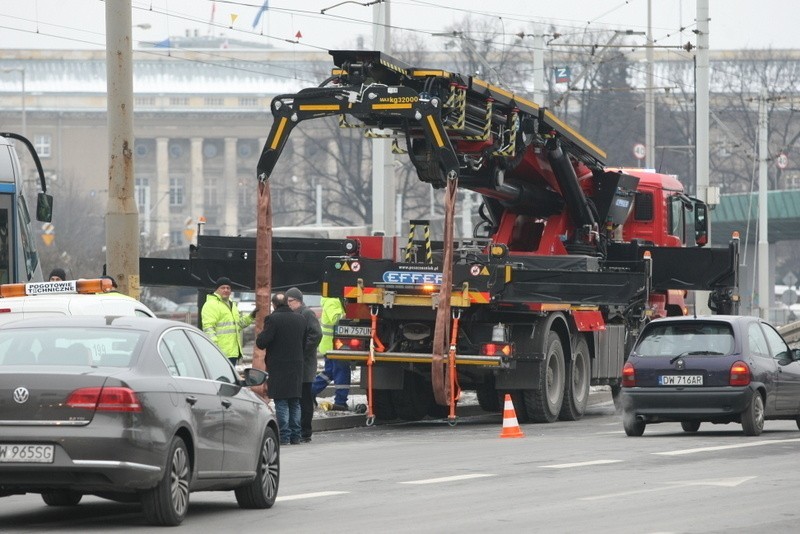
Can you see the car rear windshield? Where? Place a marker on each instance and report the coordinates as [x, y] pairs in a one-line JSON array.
[[87, 347], [674, 339]]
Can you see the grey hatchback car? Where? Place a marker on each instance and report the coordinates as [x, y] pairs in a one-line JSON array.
[[717, 369], [130, 409]]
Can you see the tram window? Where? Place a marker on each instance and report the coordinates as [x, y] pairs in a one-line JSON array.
[[26, 239], [5, 242]]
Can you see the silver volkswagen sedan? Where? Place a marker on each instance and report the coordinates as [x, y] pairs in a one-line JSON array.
[[130, 409]]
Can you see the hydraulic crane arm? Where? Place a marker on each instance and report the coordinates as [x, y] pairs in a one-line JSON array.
[[453, 125], [399, 105]]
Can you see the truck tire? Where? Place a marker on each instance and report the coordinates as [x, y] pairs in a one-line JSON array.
[[576, 390], [543, 404], [489, 399], [382, 405], [411, 403]]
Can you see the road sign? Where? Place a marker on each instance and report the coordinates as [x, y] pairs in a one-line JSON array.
[[639, 151], [790, 279], [789, 297], [48, 233], [782, 161]]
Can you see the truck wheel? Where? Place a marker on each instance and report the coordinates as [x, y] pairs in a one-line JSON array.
[[576, 392], [543, 404], [489, 399], [411, 403], [382, 405]]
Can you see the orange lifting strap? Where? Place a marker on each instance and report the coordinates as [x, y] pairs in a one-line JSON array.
[[455, 389], [439, 381], [374, 344]]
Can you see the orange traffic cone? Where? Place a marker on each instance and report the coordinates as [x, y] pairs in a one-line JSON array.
[[511, 427]]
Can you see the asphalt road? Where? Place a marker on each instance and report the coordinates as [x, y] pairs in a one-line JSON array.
[[584, 476]]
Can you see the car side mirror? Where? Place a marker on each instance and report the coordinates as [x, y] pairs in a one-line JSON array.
[[254, 377]]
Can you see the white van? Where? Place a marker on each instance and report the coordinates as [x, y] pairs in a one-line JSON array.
[[71, 297]]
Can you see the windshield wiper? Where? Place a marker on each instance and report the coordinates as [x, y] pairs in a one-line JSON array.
[[696, 353]]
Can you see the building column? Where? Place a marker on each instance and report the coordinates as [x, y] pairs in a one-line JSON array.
[[230, 190], [197, 189], [159, 194]]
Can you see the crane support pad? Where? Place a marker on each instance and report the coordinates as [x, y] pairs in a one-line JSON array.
[[696, 269], [604, 288], [298, 262]]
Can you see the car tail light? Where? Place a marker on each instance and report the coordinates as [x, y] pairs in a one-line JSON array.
[[740, 374], [349, 343], [102, 399], [496, 349], [628, 375]]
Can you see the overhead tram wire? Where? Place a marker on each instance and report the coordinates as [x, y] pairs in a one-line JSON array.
[[225, 58]]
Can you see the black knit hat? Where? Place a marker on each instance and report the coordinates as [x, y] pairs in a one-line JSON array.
[[223, 281], [294, 293], [59, 272]]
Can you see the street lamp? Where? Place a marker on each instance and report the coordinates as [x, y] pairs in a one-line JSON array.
[[21, 71]]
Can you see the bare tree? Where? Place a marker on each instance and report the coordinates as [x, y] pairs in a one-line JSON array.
[[79, 232]]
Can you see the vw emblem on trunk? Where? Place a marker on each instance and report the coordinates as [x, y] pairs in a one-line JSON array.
[[21, 395], [680, 364]]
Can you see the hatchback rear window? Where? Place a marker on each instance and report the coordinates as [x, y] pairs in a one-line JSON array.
[[674, 339]]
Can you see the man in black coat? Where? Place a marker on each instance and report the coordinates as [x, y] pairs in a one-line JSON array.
[[313, 336], [284, 338]]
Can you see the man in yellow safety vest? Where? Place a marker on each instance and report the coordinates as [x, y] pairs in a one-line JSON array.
[[222, 321], [335, 370]]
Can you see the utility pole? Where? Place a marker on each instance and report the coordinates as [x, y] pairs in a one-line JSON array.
[[649, 100], [701, 124], [383, 186], [122, 217], [763, 215]]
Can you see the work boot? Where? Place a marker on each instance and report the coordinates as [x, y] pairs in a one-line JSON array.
[[339, 407]]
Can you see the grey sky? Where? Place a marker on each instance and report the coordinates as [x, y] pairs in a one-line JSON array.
[[80, 23]]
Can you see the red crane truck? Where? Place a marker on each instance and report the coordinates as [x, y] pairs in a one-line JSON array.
[[571, 258]]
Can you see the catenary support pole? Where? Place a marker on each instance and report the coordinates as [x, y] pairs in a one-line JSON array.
[[763, 215], [122, 217], [383, 184], [701, 124]]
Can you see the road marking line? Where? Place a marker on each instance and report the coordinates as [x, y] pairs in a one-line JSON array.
[[725, 483], [725, 447], [580, 464], [310, 495], [448, 479]]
